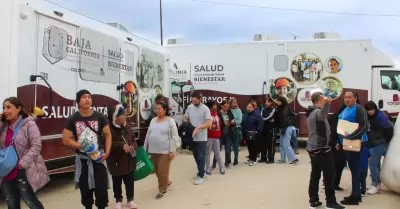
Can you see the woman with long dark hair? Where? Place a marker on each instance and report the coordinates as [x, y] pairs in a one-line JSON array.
[[19, 129], [354, 113], [237, 139], [379, 136], [161, 143], [285, 120], [214, 134], [267, 144]]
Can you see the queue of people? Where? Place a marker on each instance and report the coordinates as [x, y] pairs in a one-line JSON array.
[[105, 145]]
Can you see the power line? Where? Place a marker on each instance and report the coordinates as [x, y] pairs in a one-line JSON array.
[[297, 10]]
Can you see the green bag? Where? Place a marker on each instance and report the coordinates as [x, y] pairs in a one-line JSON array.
[[144, 167]]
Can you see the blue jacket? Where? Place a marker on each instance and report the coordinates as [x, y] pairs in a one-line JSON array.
[[355, 114], [253, 122]]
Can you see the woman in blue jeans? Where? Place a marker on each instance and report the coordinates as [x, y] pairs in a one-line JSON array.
[[238, 115], [381, 131], [285, 120], [354, 113]]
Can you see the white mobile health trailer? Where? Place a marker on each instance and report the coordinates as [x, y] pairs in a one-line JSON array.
[[293, 69], [48, 53]]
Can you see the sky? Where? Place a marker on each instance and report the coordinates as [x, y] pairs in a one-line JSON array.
[[201, 22]]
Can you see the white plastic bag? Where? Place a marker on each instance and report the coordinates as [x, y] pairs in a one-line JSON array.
[[390, 173]]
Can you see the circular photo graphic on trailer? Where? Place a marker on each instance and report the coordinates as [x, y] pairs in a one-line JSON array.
[[333, 65], [129, 98], [331, 87], [145, 73], [304, 96], [145, 108], [283, 87], [157, 90], [306, 68]]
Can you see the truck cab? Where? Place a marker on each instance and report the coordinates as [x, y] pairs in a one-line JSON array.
[[385, 84]]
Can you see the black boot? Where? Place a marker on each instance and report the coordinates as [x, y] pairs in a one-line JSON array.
[[351, 200]]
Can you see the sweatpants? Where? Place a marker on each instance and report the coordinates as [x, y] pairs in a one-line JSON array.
[[213, 145], [162, 164], [128, 180], [253, 149], [101, 183]]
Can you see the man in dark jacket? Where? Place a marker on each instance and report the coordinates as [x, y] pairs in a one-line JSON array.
[[338, 154], [185, 131], [319, 149]]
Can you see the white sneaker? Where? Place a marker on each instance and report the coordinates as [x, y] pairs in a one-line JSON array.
[[198, 181], [373, 190], [118, 205]]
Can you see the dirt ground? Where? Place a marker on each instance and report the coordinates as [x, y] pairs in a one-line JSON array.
[[260, 187]]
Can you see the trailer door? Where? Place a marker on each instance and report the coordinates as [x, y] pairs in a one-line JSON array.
[[386, 89], [129, 92]]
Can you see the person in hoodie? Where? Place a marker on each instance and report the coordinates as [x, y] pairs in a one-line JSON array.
[[319, 150], [379, 136], [214, 134], [30, 173], [238, 116], [285, 120], [122, 160], [267, 141], [253, 125]]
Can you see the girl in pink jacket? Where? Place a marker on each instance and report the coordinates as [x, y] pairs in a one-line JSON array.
[[30, 174]]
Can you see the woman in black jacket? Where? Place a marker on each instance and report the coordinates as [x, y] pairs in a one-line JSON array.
[[267, 142], [285, 120]]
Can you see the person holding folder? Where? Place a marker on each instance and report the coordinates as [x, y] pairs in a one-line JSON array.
[[353, 113]]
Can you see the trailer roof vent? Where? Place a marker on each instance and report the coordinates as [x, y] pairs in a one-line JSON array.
[[327, 35], [264, 37], [174, 41], [118, 26]]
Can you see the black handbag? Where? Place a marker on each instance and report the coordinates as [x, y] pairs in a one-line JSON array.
[[251, 135]]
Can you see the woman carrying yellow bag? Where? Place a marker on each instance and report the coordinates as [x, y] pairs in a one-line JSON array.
[[354, 113]]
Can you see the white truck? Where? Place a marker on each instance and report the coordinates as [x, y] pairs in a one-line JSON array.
[[48, 53], [293, 69]]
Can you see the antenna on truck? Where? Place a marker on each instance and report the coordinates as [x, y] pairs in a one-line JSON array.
[[295, 35]]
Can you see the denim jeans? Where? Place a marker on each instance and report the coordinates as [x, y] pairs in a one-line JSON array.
[[19, 188], [199, 154], [236, 143], [285, 148], [375, 163], [227, 140], [294, 138]]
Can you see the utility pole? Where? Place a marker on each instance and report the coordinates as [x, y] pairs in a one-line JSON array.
[[161, 24]]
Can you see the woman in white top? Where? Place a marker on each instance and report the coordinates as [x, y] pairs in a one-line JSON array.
[[161, 142]]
